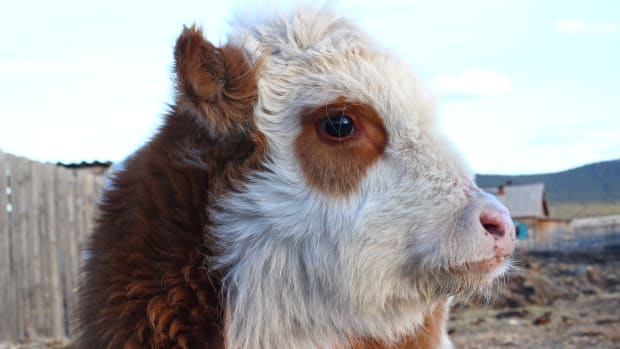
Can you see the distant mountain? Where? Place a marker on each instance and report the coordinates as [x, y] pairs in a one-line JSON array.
[[583, 191]]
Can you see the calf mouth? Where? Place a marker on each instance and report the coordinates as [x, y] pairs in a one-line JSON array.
[[487, 265]]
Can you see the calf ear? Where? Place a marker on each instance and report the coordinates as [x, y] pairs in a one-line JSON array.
[[215, 84]]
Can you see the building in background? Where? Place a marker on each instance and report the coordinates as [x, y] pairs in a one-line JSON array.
[[527, 203]]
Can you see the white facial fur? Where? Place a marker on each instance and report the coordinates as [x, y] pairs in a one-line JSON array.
[[306, 269]]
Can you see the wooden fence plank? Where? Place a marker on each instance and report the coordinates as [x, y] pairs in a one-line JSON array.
[[44, 241], [79, 208], [79, 215], [18, 221], [7, 304], [56, 297], [89, 202], [38, 307], [84, 205], [72, 267], [64, 179], [25, 217]]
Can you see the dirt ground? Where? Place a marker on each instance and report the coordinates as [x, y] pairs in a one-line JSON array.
[[569, 300], [557, 300]]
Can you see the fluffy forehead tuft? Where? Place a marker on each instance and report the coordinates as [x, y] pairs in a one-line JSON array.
[[311, 55], [297, 31]]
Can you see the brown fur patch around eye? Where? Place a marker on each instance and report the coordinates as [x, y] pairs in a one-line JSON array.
[[336, 168]]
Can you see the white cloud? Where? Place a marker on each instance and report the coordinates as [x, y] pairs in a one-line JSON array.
[[576, 26], [475, 82], [529, 133]]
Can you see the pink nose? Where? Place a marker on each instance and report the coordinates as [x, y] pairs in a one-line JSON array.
[[497, 224]]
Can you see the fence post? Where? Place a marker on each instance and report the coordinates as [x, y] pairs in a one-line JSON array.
[[8, 329], [38, 306], [71, 248], [52, 232], [18, 177]]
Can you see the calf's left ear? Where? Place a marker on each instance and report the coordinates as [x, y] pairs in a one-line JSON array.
[[214, 84]]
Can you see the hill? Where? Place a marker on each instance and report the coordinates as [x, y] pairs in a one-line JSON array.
[[583, 191]]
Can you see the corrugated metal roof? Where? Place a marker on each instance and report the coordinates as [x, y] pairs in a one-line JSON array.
[[524, 200]]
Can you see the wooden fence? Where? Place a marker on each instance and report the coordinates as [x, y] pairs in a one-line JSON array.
[[46, 212], [584, 234]]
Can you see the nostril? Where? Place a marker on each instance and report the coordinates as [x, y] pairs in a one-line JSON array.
[[494, 225], [493, 229]]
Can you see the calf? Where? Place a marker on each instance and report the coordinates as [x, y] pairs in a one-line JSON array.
[[298, 195]]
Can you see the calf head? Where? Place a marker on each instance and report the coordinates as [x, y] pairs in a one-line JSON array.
[[361, 215], [299, 195]]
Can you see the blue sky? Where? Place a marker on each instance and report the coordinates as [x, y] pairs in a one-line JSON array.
[[523, 86]]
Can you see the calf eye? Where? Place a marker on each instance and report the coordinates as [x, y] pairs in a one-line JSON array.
[[337, 127]]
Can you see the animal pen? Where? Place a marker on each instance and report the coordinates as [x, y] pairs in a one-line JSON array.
[[46, 212]]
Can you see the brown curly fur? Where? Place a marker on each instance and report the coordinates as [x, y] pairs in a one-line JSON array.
[[146, 282]]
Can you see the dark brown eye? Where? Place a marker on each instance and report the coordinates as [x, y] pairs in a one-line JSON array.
[[337, 127]]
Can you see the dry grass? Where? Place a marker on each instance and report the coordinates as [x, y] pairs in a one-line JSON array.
[[574, 210]]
